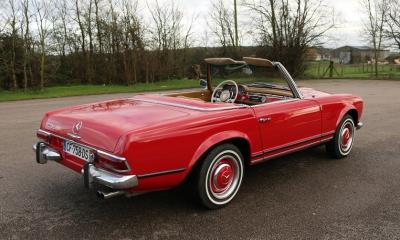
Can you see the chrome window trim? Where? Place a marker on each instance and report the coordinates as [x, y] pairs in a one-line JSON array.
[[101, 152], [292, 84], [237, 106]]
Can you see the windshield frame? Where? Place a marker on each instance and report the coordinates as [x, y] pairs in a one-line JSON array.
[[260, 62]]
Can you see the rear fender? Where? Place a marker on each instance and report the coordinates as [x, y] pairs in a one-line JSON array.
[[215, 140]]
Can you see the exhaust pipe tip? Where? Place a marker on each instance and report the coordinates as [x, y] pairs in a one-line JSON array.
[[103, 196], [100, 195]]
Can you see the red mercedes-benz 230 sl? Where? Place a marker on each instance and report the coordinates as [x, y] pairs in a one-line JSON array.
[[154, 142]]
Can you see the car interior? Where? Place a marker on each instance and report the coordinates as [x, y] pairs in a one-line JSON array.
[[252, 81]]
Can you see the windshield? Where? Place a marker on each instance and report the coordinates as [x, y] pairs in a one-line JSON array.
[[249, 75]]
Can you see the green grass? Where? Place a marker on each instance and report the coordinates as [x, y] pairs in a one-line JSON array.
[[357, 71], [80, 90], [84, 90]]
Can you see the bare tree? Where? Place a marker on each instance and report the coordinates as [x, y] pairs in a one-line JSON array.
[[98, 24], [43, 22], [80, 22], [89, 56], [392, 30], [169, 36], [222, 25], [27, 42], [132, 39], [14, 37], [374, 26], [289, 28]]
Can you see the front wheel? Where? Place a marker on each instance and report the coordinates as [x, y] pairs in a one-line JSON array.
[[340, 146], [220, 176]]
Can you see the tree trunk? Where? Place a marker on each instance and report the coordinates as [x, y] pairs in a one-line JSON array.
[[42, 65]]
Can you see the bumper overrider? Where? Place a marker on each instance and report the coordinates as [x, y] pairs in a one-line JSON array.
[[91, 174]]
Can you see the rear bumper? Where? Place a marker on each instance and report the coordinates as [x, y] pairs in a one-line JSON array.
[[111, 180], [359, 125], [45, 153]]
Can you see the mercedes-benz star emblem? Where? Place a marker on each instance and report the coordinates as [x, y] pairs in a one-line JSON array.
[[77, 126]]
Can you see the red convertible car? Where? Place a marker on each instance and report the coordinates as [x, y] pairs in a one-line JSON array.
[[154, 142]]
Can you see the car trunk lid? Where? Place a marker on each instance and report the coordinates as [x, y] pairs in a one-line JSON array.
[[101, 125]]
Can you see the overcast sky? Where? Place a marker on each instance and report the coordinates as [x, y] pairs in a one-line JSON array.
[[348, 12], [348, 29]]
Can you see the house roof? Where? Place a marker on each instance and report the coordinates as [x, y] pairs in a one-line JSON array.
[[356, 47], [361, 48]]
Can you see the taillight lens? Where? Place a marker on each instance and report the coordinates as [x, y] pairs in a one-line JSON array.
[[109, 163]]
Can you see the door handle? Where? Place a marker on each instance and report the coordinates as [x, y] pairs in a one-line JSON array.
[[264, 119]]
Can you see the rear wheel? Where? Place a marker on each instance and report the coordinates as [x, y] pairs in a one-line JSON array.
[[220, 176], [340, 146]]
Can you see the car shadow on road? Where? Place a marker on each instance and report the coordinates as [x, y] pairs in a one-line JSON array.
[[261, 175], [65, 202]]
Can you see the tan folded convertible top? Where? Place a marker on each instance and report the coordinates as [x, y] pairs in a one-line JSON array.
[[222, 61], [261, 62]]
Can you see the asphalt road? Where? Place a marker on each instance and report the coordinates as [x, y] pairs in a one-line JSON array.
[[305, 195]]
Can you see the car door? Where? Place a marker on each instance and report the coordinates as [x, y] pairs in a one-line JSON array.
[[287, 125]]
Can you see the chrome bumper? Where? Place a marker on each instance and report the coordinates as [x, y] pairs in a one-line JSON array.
[[45, 153], [359, 125], [108, 179]]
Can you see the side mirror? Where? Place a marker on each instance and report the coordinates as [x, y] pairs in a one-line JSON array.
[[203, 83]]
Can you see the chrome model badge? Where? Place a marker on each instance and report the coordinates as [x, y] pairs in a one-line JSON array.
[[77, 127]]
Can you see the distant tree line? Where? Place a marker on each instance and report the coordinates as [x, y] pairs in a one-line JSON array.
[[382, 25], [56, 42], [90, 42]]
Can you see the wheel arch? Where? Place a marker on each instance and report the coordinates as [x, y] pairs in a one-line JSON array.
[[354, 114], [239, 139], [350, 110]]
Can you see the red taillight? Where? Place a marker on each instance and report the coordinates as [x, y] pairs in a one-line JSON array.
[[110, 163]]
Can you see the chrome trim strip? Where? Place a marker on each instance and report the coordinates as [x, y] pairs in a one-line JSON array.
[[44, 132], [92, 148], [73, 135], [237, 106], [256, 154], [275, 102], [161, 173], [106, 154], [328, 133], [290, 151], [291, 144]]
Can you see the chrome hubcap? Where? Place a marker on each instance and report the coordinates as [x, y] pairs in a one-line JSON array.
[[224, 177]]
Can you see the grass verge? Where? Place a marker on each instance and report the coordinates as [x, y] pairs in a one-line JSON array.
[[80, 90], [316, 70]]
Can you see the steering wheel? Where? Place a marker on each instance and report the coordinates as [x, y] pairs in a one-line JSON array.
[[225, 95]]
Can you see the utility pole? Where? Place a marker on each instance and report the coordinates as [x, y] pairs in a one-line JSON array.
[[236, 24]]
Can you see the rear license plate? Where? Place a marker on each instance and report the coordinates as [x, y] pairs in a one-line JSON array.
[[78, 151]]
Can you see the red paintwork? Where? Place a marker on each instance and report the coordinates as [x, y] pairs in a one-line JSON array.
[[155, 136]]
